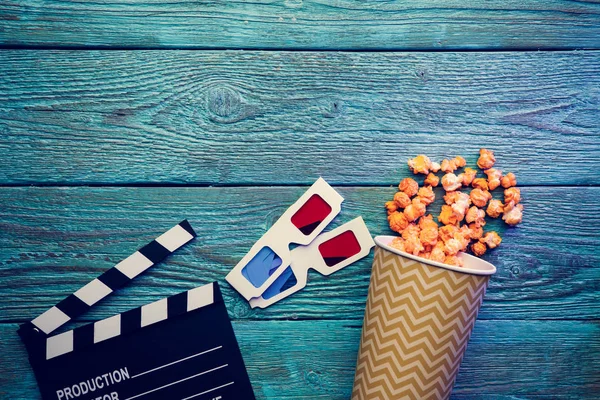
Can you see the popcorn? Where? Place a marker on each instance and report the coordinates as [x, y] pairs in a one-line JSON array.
[[437, 253], [452, 246], [415, 210], [508, 180], [451, 197], [420, 233], [486, 159], [476, 215], [454, 260], [398, 243], [402, 200], [421, 164], [467, 176], [475, 231], [447, 232], [427, 222], [462, 239], [492, 239], [451, 182], [449, 166], [512, 195], [480, 197], [391, 207], [478, 248], [412, 230], [409, 186], [494, 176], [461, 205], [426, 195], [480, 183], [459, 161], [513, 214], [432, 180], [397, 221], [447, 216], [413, 245], [495, 208], [429, 236]]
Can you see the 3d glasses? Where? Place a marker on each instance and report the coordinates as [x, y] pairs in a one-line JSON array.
[[328, 253], [261, 269]]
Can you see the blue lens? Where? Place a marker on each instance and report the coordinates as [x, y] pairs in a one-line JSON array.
[[261, 267], [285, 281]]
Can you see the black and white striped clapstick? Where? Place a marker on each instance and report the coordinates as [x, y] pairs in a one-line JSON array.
[[116, 277], [129, 321]]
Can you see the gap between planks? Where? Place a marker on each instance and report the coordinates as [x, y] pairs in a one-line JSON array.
[[300, 49], [233, 185]]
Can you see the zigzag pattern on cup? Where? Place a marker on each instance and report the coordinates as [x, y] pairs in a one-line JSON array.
[[417, 324]]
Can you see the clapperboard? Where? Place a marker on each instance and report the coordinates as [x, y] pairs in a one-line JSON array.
[[178, 348]]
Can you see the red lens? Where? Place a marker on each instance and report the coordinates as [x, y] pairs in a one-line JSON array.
[[311, 214], [339, 248]]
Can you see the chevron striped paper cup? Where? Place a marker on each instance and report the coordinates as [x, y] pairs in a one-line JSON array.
[[418, 320]]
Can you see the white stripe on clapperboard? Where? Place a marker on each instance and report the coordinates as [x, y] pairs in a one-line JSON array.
[[111, 327], [184, 379], [179, 381], [95, 291]]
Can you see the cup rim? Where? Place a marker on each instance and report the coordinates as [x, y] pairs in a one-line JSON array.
[[476, 267]]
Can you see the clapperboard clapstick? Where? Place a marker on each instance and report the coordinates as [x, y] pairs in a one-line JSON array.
[[178, 348]]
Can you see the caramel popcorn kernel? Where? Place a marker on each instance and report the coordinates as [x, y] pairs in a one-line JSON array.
[[476, 231], [468, 176], [494, 176], [391, 207], [460, 161], [512, 195], [508, 180], [447, 216], [426, 195], [475, 215], [486, 159], [495, 208], [513, 214], [432, 180], [492, 239], [480, 183], [409, 186], [412, 230], [420, 164], [449, 166], [450, 182], [397, 221], [401, 199], [478, 248], [447, 232], [480, 197]]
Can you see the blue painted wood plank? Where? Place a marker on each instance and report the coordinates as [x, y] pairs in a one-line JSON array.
[[279, 117], [54, 240], [304, 24], [316, 359]]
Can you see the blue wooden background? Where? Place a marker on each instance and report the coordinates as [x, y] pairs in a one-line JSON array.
[[120, 118]]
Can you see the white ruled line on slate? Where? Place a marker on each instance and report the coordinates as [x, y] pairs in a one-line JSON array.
[[178, 361], [176, 382], [208, 391]]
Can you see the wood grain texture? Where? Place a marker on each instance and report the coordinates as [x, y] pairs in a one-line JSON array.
[[283, 117], [55, 240], [298, 24], [316, 359]]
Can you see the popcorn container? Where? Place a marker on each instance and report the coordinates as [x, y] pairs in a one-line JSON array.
[[418, 320]]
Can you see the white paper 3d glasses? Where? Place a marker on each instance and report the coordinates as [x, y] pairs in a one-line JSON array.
[[270, 271]]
